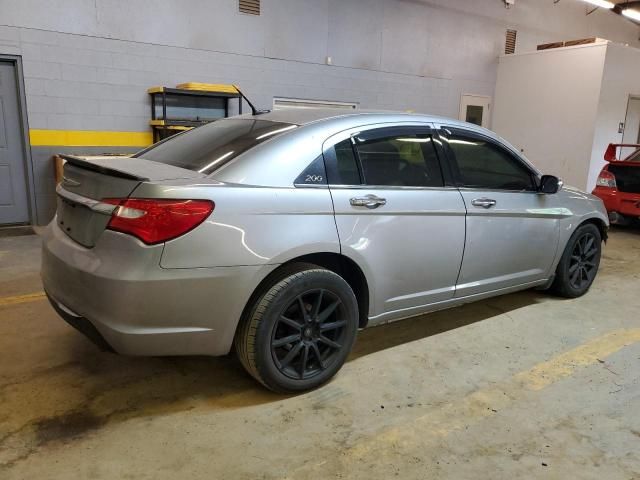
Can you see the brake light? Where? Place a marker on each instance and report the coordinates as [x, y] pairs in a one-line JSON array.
[[606, 179], [156, 221]]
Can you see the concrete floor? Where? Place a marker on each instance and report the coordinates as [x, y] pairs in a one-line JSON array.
[[522, 386]]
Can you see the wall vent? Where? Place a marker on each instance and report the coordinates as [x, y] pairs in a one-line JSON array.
[[510, 42], [251, 7]]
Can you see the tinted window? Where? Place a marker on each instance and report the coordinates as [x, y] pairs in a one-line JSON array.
[[400, 160], [314, 174], [483, 164], [207, 148], [342, 168], [634, 157]]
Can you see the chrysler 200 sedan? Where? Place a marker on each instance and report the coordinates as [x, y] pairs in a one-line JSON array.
[[281, 234]]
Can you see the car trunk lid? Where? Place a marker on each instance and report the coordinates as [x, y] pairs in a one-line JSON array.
[[87, 180], [627, 176]]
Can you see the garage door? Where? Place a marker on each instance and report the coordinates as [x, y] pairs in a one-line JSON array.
[[13, 185]]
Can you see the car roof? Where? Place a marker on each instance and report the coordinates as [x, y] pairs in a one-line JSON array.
[[278, 160], [304, 116], [339, 117]]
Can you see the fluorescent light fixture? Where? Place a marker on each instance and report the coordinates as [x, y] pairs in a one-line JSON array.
[[601, 3], [632, 14], [280, 130]]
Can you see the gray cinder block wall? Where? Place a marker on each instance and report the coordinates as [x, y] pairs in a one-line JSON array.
[[87, 64]]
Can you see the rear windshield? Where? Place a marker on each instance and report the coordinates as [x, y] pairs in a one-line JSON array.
[[207, 148], [634, 157]]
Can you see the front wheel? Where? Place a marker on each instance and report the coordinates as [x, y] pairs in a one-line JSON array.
[[579, 263], [300, 331]]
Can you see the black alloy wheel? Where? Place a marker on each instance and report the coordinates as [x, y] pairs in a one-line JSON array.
[[298, 328], [309, 334], [579, 263], [582, 264]]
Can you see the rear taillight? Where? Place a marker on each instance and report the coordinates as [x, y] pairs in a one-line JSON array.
[[606, 179], [156, 221]]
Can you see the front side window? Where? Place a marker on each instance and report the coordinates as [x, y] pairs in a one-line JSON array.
[[482, 164], [406, 159]]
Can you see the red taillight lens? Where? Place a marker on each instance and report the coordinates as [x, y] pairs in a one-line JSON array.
[[606, 179], [157, 221]]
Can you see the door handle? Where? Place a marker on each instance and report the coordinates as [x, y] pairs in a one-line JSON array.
[[369, 201], [483, 202]]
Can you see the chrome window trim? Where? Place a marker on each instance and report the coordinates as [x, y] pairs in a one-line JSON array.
[[310, 185], [387, 187], [496, 190]]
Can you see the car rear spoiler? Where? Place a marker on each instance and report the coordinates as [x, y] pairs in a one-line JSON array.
[[97, 166], [610, 155]]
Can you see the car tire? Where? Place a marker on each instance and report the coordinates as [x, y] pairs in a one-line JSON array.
[[579, 263], [299, 330]]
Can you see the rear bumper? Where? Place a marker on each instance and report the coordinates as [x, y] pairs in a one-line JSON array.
[[81, 324], [621, 202], [119, 290]]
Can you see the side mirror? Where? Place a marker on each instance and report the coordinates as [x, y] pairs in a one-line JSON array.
[[550, 184]]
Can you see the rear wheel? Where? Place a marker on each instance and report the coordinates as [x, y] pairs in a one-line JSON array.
[[298, 333], [579, 263]]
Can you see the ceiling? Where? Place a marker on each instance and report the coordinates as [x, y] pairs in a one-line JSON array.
[[622, 4]]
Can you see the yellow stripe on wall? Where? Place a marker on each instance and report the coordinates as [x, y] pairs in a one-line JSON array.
[[89, 138]]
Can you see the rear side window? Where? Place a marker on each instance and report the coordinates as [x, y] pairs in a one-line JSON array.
[[482, 164], [634, 157], [207, 148], [400, 159], [342, 168]]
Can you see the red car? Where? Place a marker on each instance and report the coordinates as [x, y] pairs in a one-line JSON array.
[[618, 184]]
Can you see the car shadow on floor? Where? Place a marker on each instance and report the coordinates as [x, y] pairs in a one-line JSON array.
[[632, 229], [391, 335], [223, 383], [106, 388]]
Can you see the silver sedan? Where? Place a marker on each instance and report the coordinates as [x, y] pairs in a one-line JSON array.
[[281, 234]]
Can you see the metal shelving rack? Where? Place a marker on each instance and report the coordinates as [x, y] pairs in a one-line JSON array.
[[189, 105]]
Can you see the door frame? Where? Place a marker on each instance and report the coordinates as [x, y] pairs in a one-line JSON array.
[[627, 151], [16, 60], [486, 99]]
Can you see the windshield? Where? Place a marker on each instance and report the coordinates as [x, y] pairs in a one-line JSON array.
[[634, 157], [207, 148]]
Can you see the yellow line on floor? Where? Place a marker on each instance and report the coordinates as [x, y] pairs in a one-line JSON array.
[[15, 300], [565, 364], [460, 413]]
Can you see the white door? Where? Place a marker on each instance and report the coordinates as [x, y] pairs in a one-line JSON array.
[[631, 126], [475, 109]]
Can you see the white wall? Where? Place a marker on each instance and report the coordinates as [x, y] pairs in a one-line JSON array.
[[621, 79], [393, 54], [88, 63], [546, 104]]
